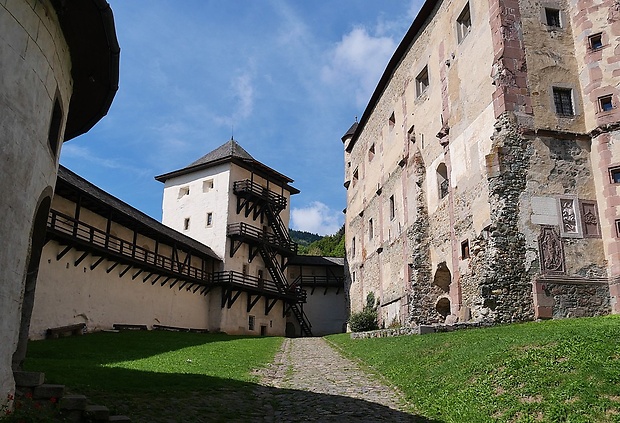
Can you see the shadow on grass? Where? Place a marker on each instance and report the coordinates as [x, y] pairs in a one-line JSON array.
[[185, 396], [225, 400]]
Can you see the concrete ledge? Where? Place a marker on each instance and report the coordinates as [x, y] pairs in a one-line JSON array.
[[73, 402], [46, 391]]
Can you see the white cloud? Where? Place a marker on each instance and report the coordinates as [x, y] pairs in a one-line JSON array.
[[77, 152], [316, 218], [244, 91], [358, 61]]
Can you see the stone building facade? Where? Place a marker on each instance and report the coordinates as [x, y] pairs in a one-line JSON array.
[[47, 96], [482, 177]]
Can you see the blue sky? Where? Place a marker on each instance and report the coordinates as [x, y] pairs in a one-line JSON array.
[[289, 76]]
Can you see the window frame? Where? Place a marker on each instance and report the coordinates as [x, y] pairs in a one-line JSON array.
[[422, 82], [463, 23], [209, 220], [593, 37], [555, 13], [607, 106], [562, 94]]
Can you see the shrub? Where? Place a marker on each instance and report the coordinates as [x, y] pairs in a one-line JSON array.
[[366, 319]]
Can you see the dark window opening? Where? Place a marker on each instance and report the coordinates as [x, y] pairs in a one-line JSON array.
[[553, 17], [251, 322], [421, 82], [563, 100], [614, 174], [392, 121], [371, 231], [53, 136], [371, 152], [442, 180], [618, 228], [595, 41], [411, 134], [186, 224], [465, 249], [605, 103], [392, 208]]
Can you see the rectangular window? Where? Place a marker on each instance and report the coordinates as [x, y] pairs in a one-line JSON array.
[[392, 208], [251, 322], [411, 134], [53, 135], [421, 82], [553, 17], [463, 23], [356, 176], [183, 191], [465, 249], [186, 224], [605, 103], [207, 185], [595, 41], [371, 152], [392, 121], [353, 277], [563, 100], [618, 228], [614, 175], [353, 247], [209, 219], [371, 232]]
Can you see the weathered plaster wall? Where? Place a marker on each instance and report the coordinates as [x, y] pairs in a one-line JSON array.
[[36, 70], [68, 294]]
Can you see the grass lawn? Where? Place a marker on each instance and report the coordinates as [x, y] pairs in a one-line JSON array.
[[553, 371], [155, 376]]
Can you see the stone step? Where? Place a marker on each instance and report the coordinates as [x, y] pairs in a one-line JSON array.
[[120, 419], [47, 391], [97, 413], [28, 379], [73, 402]]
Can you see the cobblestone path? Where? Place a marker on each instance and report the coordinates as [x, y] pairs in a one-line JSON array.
[[314, 383]]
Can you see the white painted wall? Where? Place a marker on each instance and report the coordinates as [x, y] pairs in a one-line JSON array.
[[34, 66]]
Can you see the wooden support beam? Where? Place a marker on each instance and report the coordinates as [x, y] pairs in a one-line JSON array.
[[124, 271], [97, 263], [147, 277], [196, 289], [182, 285], [338, 290], [253, 253], [109, 269], [156, 279], [231, 300], [173, 283], [166, 281], [252, 302], [63, 252], [137, 274], [205, 290], [234, 246], [80, 259], [269, 304]]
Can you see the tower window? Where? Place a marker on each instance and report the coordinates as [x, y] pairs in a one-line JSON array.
[[595, 41], [614, 175], [392, 208], [605, 103], [371, 152], [563, 100], [465, 249], [209, 219], [183, 191], [207, 185], [251, 322], [463, 23], [553, 17], [53, 136], [371, 232], [186, 224]]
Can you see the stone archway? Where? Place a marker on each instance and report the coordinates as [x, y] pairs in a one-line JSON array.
[[443, 307], [443, 277]]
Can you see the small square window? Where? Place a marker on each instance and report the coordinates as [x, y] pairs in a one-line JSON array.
[[563, 100], [595, 41], [183, 191], [186, 224], [463, 23], [465, 249], [422, 82], [605, 103], [209, 219], [207, 185], [553, 17], [614, 175]]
